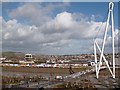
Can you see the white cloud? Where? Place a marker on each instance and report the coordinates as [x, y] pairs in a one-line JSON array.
[[66, 32], [64, 20], [36, 12], [108, 42]]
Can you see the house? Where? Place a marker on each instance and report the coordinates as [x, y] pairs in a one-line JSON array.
[[28, 57]]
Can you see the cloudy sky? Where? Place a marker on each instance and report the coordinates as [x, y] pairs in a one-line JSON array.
[[55, 28]]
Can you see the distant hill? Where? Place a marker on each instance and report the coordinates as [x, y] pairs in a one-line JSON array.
[[13, 55]]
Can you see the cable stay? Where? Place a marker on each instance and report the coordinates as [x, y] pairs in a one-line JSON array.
[[96, 36]]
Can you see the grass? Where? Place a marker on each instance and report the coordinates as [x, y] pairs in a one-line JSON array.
[[42, 70]]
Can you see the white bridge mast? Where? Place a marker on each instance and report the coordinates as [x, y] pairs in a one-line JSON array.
[[97, 65]]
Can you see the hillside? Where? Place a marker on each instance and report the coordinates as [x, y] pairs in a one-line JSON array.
[[13, 55]]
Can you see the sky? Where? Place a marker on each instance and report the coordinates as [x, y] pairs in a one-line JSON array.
[[55, 28]]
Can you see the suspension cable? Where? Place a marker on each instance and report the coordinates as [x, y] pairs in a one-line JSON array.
[[100, 26], [98, 31]]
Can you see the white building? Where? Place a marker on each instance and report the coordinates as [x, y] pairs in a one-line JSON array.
[[2, 59], [28, 57]]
